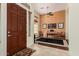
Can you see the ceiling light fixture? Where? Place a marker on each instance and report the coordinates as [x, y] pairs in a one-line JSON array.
[[49, 13]]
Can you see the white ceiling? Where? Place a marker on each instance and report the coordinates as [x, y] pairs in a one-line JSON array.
[[43, 8]]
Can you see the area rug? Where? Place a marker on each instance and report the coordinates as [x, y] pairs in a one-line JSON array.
[[25, 52]]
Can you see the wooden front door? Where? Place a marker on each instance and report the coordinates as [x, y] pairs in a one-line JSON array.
[[16, 28], [21, 28]]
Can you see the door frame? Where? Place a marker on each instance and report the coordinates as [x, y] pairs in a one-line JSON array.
[[3, 29], [3, 44]]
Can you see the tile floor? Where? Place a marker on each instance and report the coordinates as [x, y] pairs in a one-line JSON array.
[[48, 51]]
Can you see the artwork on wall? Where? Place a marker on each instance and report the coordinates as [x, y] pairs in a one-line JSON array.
[[44, 26], [61, 25], [54, 26]]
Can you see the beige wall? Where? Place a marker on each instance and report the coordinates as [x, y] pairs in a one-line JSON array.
[[0, 20], [74, 29], [67, 21], [58, 17], [36, 25]]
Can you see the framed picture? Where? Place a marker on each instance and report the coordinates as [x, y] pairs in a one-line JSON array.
[[44, 26], [52, 26], [61, 25]]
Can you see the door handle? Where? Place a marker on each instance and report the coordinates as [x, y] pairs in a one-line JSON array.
[[9, 35], [8, 32]]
